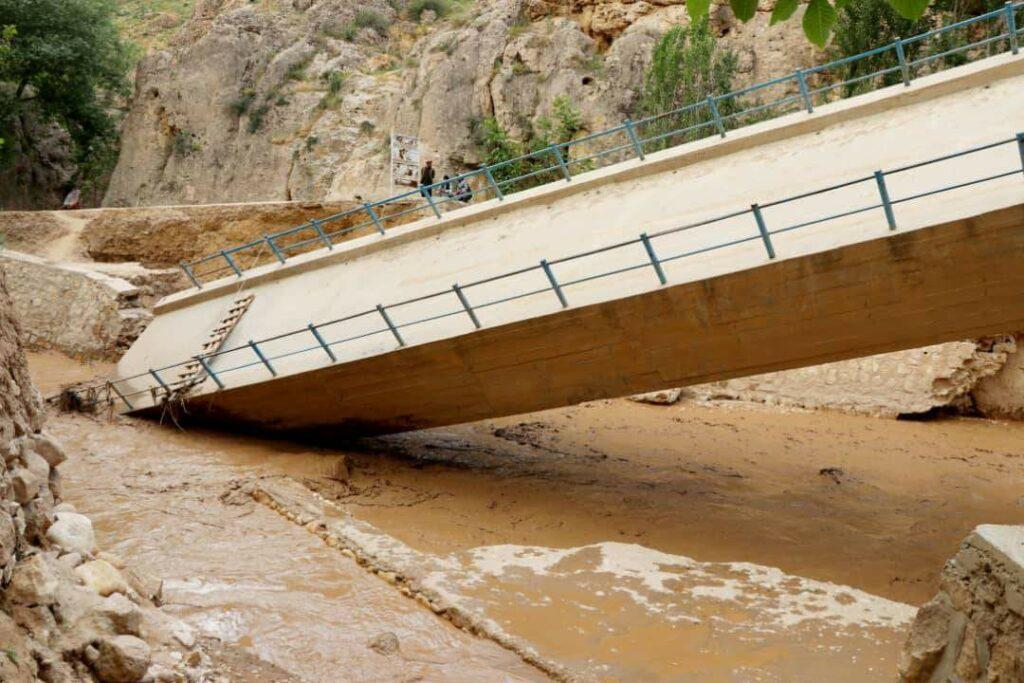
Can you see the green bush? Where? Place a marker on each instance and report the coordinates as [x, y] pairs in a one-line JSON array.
[[496, 146], [346, 31], [686, 67], [256, 117], [240, 104], [185, 143], [366, 18], [415, 9], [335, 81]]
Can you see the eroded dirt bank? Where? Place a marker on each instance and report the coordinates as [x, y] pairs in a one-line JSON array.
[[609, 536]]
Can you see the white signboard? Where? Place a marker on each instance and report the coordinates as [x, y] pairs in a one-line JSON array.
[[405, 161]]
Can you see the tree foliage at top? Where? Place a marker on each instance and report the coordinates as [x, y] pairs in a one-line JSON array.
[[65, 62], [865, 24], [819, 17]]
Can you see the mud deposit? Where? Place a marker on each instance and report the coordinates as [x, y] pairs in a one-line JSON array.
[[618, 541]]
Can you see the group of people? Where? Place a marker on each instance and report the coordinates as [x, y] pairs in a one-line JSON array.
[[455, 188]]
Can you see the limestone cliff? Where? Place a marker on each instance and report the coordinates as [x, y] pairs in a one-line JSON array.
[[276, 101]]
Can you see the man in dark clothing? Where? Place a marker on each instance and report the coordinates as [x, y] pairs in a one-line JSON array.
[[427, 179]]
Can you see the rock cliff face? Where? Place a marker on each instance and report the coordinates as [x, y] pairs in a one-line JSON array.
[[276, 101]]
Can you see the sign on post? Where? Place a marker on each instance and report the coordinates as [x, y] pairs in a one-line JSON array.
[[405, 161]]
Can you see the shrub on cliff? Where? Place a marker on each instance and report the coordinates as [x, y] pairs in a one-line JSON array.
[[497, 146], [687, 65]]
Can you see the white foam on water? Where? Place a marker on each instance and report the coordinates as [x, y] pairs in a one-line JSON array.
[[774, 599]]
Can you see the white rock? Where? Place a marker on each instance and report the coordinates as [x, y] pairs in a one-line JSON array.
[[25, 485], [70, 560], [123, 615], [33, 582], [73, 533], [123, 659], [183, 633], [47, 447], [666, 397], [113, 559], [37, 465], [101, 577], [65, 507]]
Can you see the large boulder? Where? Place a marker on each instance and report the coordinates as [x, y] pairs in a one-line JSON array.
[[73, 533], [34, 582], [122, 659], [102, 577]]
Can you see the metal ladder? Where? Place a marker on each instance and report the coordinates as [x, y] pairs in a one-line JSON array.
[[193, 373]]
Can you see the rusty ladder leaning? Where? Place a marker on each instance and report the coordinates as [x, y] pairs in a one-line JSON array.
[[193, 373]]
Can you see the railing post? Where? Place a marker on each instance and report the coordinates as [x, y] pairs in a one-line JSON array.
[[902, 56], [191, 276], [631, 132], [654, 258], [320, 340], [763, 229], [886, 203], [259, 354], [465, 304], [719, 124], [554, 283], [804, 91], [1020, 148], [391, 325], [1011, 27], [320, 233], [160, 381], [430, 200], [273, 247], [561, 162], [373, 217], [117, 391], [490, 178], [209, 371], [231, 262]]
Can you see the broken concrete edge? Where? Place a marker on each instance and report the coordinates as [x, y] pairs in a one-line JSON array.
[[977, 74], [392, 561], [970, 377], [973, 629]]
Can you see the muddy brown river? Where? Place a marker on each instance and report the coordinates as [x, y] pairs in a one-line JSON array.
[[617, 541]]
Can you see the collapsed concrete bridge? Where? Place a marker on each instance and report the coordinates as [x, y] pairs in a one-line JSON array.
[[557, 300]]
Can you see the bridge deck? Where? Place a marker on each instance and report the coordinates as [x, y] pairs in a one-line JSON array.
[[438, 377]]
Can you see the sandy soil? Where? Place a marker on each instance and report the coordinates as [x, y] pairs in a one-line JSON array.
[[875, 504]]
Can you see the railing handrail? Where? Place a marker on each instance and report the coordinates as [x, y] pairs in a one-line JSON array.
[[636, 143], [764, 234]]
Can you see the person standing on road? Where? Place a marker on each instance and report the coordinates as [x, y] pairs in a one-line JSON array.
[[427, 178]]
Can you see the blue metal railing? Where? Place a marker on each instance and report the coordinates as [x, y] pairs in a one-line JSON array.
[[256, 353], [716, 115]]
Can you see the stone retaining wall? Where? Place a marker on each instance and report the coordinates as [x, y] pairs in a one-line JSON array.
[[72, 308], [973, 630]]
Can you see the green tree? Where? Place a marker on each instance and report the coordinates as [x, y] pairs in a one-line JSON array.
[[686, 67], [64, 62]]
